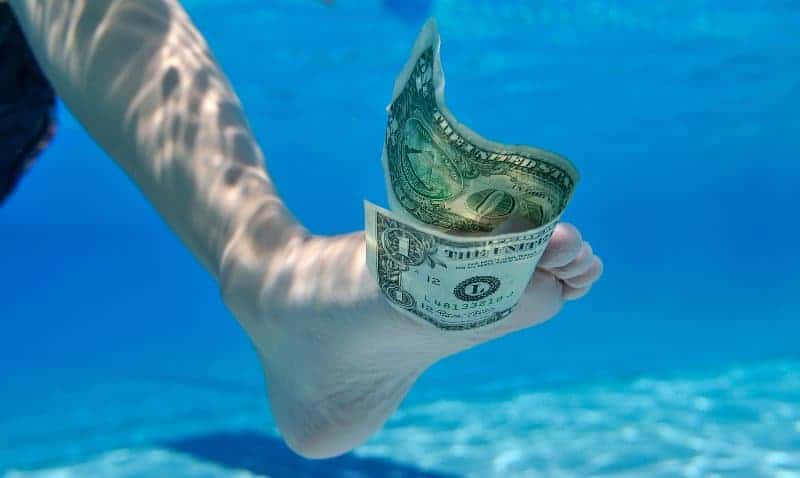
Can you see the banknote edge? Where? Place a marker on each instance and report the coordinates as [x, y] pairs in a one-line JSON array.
[[370, 239]]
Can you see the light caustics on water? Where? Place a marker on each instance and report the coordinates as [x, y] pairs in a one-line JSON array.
[[742, 421]]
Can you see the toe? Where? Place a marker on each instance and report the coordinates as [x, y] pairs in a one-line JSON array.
[[587, 278], [572, 293], [582, 262], [564, 246]]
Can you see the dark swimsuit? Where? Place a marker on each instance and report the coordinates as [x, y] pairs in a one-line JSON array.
[[27, 105]]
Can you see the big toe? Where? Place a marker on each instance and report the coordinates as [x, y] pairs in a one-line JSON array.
[[565, 244]]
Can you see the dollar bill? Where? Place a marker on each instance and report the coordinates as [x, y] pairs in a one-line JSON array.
[[441, 254], [452, 282]]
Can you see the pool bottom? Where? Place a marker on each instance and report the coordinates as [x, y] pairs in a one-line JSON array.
[[743, 421]]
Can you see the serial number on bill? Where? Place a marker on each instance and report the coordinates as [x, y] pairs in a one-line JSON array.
[[429, 304]]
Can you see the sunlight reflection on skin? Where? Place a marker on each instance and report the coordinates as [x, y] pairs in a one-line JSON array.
[[337, 359]]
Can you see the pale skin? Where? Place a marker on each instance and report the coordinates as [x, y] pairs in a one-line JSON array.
[[337, 358]]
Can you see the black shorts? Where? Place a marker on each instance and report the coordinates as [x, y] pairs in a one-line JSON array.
[[27, 105]]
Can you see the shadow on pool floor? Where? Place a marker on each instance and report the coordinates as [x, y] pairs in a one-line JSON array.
[[265, 455]]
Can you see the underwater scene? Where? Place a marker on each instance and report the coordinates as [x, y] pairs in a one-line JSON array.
[[118, 357]]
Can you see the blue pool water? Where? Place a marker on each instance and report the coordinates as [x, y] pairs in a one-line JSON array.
[[117, 357]]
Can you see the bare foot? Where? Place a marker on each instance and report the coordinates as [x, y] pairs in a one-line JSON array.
[[337, 359]]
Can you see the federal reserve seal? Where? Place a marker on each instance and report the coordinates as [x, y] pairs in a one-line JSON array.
[[476, 288]]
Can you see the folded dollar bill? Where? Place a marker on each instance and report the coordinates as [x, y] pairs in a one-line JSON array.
[[443, 253]]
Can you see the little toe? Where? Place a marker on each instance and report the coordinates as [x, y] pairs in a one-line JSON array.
[[573, 293], [582, 262], [564, 246], [588, 277]]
